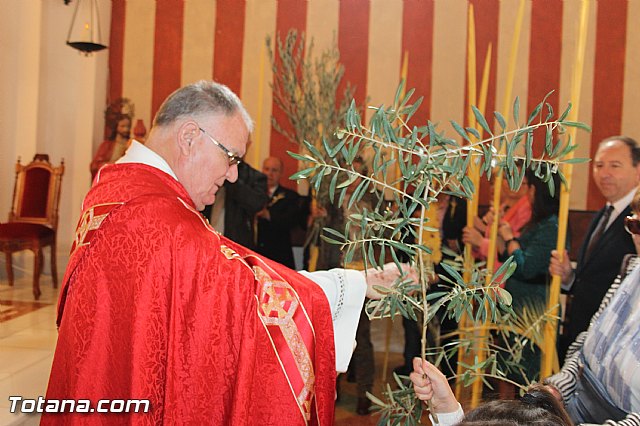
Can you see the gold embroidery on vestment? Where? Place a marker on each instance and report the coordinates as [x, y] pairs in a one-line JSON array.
[[228, 252], [277, 304], [90, 222]]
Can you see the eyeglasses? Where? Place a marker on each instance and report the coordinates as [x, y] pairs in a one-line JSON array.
[[233, 158], [632, 224]]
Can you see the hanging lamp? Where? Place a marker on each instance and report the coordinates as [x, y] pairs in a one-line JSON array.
[[84, 32]]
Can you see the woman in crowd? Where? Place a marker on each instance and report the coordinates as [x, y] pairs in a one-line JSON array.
[[515, 209], [531, 251], [599, 382]]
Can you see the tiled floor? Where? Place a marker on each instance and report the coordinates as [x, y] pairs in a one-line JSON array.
[[28, 336], [27, 339]]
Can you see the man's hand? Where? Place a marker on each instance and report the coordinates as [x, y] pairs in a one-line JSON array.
[[505, 231], [318, 211], [386, 277], [430, 384], [264, 214], [480, 224], [472, 236], [490, 216], [560, 267]]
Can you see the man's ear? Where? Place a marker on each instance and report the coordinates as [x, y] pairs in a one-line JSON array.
[[187, 133]]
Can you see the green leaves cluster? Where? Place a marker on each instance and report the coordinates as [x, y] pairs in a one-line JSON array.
[[306, 90], [402, 407], [408, 168], [411, 166]]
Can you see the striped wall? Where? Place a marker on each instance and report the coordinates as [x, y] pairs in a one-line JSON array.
[[157, 46]]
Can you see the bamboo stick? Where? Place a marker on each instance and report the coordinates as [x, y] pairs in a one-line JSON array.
[[549, 360], [506, 103], [497, 189], [476, 391], [472, 204], [480, 352]]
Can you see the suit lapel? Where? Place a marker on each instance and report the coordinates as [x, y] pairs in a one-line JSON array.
[[619, 222], [604, 239], [585, 244]]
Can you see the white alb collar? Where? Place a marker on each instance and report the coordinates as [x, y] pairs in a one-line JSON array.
[[138, 153]]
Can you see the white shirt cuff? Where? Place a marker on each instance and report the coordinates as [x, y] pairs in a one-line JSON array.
[[569, 284], [345, 290], [449, 419]]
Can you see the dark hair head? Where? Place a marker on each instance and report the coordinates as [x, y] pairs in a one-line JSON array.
[[113, 125], [537, 407], [544, 204], [197, 99], [630, 142]]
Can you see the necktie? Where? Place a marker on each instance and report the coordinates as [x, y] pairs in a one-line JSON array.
[[602, 226]]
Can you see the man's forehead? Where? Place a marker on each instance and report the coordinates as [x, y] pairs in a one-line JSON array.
[[224, 121], [228, 126], [614, 151]]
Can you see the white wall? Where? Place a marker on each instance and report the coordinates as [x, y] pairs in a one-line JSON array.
[[52, 99]]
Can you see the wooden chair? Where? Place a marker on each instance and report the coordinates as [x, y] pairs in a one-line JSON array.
[[33, 218]]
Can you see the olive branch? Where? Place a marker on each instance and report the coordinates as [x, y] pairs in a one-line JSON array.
[[410, 167]]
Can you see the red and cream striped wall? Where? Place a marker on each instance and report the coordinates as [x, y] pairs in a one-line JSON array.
[[158, 45]]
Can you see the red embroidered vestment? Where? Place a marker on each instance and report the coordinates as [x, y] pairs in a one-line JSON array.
[[156, 305]]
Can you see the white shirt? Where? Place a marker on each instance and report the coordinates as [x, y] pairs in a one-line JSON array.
[[620, 205], [345, 289]]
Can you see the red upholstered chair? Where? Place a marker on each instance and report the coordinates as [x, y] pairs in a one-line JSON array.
[[33, 218]]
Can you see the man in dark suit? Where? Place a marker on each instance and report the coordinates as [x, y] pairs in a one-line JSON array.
[[278, 217], [241, 200], [616, 171]]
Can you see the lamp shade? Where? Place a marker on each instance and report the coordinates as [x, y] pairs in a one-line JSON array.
[[84, 32]]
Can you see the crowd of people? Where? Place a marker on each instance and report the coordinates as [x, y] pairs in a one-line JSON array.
[[184, 292], [598, 382]]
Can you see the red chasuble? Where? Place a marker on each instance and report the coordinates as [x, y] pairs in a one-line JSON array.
[[156, 305]]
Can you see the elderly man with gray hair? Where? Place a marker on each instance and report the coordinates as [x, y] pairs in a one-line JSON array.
[[157, 306]]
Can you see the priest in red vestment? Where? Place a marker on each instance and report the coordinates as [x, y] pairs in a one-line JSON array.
[[157, 306]]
